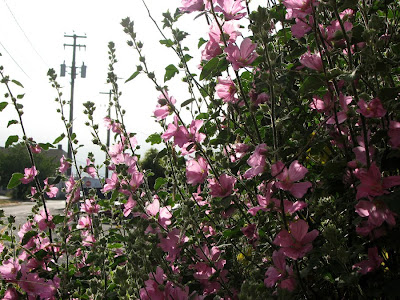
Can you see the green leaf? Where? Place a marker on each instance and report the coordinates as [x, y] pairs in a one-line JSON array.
[[28, 236], [186, 102], [209, 67], [20, 96], [159, 182], [231, 233], [154, 138], [11, 140], [3, 105], [170, 71], [201, 42], [392, 201], [187, 57], [212, 68], [115, 246], [132, 76], [202, 116], [387, 93], [46, 146], [311, 83], [59, 139], [73, 136], [39, 255], [15, 180], [349, 4], [58, 219], [167, 43], [55, 180], [11, 122], [17, 83]]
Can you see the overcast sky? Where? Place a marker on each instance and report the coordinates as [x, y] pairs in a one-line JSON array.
[[32, 41]]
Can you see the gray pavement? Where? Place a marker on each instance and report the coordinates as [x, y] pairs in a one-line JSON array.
[[24, 209]]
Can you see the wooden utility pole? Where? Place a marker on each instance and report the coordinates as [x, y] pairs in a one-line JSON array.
[[73, 76]]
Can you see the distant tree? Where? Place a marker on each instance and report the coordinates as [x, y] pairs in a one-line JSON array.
[[151, 162], [15, 159]]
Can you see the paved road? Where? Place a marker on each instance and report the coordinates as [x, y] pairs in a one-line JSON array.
[[22, 211]]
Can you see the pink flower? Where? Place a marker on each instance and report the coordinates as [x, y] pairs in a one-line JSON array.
[[111, 183], [376, 211], [373, 262], [151, 290], [50, 190], [43, 221], [250, 232], [129, 206], [90, 206], [360, 152], [206, 272], [372, 184], [240, 150], [10, 294], [347, 13], [301, 28], [222, 187], [113, 125], [230, 30], [194, 134], [324, 105], [299, 8], [192, 5], [198, 198], [242, 57], [35, 286], [72, 189], [165, 106], [231, 9], [211, 50], [297, 243], [394, 134], [164, 214], [90, 169], [280, 273], [64, 165], [334, 29], [258, 99], [312, 61], [136, 180], [35, 148], [288, 177], [257, 162], [172, 244], [9, 269], [89, 240], [117, 153], [30, 174], [85, 222], [373, 109], [180, 133], [226, 90], [196, 171]]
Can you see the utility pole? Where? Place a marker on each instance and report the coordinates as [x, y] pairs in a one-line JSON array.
[[108, 130], [73, 75]]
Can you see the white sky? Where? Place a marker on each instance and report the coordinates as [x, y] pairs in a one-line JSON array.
[[45, 22]]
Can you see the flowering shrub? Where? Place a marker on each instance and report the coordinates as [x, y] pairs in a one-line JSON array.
[[283, 183]]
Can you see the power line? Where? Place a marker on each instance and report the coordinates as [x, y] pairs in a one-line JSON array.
[[14, 60], [16, 21]]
